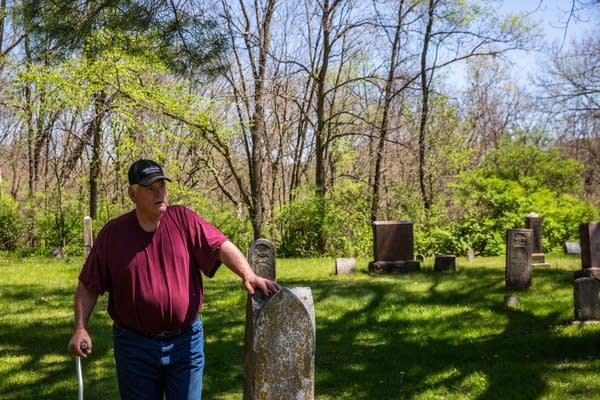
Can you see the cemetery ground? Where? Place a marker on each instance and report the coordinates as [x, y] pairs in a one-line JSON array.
[[423, 335]]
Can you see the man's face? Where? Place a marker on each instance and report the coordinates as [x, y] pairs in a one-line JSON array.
[[151, 201]]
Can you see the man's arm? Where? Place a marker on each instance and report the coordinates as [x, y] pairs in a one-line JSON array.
[[233, 258], [85, 301]]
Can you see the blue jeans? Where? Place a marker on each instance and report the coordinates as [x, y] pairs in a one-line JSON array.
[[147, 368]]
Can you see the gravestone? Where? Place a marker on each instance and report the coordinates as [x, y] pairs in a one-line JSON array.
[[88, 237], [586, 299], [393, 247], [534, 222], [589, 239], [345, 266], [279, 338], [445, 262], [471, 255], [572, 248], [518, 259]]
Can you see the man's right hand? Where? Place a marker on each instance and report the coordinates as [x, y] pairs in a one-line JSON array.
[[75, 345]]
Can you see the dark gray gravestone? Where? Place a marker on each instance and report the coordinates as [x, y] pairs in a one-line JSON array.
[[282, 352], [518, 259], [345, 266], [587, 299], [393, 247], [589, 239], [445, 262], [534, 222]]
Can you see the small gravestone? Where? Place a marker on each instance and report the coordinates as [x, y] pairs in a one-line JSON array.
[[471, 255], [261, 257], [279, 338], [572, 248], [511, 301], [345, 266], [445, 262], [534, 222], [586, 299], [393, 247], [518, 259]]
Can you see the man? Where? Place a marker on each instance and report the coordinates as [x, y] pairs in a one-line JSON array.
[[151, 262]]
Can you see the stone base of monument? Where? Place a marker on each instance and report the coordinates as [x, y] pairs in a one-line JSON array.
[[587, 300], [539, 260], [593, 273], [394, 267], [445, 262]]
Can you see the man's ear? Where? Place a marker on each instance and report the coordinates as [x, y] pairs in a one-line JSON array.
[[131, 193]]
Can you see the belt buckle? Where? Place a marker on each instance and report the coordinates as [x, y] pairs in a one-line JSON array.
[[166, 334]]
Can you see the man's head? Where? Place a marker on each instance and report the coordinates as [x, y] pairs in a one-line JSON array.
[[147, 189]]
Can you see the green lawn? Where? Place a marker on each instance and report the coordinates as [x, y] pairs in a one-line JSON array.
[[423, 335]]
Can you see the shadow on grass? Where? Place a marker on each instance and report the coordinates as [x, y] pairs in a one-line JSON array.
[[386, 345], [36, 341]]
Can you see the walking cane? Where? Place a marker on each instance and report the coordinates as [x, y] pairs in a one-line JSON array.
[[83, 346]]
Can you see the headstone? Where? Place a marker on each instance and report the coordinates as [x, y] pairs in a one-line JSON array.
[[87, 235], [586, 299], [534, 222], [589, 239], [345, 266], [279, 338], [511, 301], [572, 248], [261, 257], [471, 255], [518, 259], [393, 247], [445, 262], [282, 351]]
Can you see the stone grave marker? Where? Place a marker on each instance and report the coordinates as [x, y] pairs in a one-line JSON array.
[[589, 239], [572, 248], [280, 337], [393, 247], [345, 265], [533, 221], [518, 259], [445, 262], [586, 299]]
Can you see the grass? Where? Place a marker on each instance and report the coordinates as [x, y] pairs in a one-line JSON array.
[[423, 335]]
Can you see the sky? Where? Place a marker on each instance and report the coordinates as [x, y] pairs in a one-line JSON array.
[[558, 29]]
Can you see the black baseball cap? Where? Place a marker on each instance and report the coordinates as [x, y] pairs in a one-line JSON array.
[[145, 173]]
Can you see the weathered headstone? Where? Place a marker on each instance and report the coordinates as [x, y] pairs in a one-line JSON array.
[[445, 262], [345, 266], [511, 301], [261, 257], [518, 259], [280, 337], [88, 237], [393, 247], [586, 299], [471, 255], [572, 248], [533, 221]]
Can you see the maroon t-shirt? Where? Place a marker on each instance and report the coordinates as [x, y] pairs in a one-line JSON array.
[[154, 279]]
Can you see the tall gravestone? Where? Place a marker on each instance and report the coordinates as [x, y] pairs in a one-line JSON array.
[[533, 221], [393, 247], [586, 285], [519, 245], [280, 337]]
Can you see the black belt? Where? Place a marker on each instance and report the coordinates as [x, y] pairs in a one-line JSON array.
[[165, 334]]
